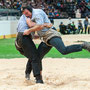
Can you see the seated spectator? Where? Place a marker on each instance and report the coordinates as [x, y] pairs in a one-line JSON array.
[[78, 2], [58, 5], [8, 4], [15, 5], [73, 28], [78, 14], [62, 7], [87, 1], [83, 8], [57, 14], [80, 27], [50, 7], [87, 12], [62, 28], [69, 28], [19, 4], [51, 14], [1, 4]]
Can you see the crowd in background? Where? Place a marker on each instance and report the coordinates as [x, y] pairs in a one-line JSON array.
[[53, 8]]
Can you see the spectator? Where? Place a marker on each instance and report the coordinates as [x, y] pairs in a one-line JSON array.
[[56, 13], [70, 21], [62, 28], [87, 12], [78, 14], [1, 4], [51, 14], [73, 28], [58, 5], [87, 1], [8, 4], [78, 2], [19, 4], [69, 28], [86, 22], [15, 5], [80, 27], [83, 7]]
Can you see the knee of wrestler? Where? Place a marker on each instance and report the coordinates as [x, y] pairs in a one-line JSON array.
[[20, 50]]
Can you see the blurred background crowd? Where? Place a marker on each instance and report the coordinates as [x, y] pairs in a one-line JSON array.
[[53, 8]]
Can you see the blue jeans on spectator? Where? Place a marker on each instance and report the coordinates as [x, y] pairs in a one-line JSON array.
[[80, 29], [85, 29]]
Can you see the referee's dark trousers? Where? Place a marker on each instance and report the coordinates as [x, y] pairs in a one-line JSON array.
[[30, 51]]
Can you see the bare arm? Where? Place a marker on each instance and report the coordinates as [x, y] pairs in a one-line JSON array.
[[34, 27], [30, 23]]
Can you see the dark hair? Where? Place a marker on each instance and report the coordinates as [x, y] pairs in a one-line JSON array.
[[27, 7]]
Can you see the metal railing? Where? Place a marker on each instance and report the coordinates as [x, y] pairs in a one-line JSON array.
[[6, 14]]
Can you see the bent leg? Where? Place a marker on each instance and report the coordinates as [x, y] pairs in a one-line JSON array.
[[59, 45], [43, 49]]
